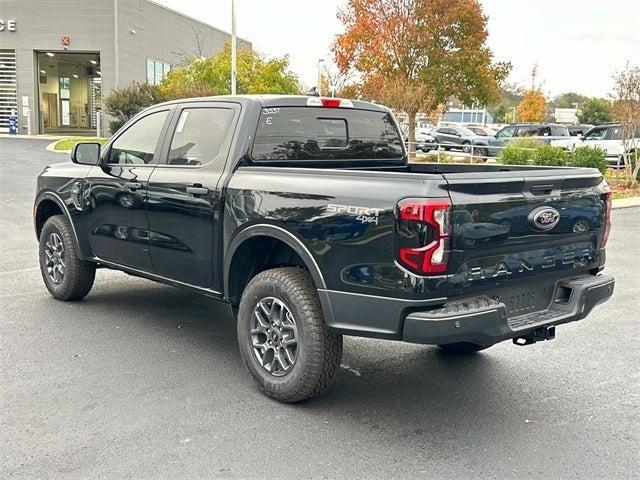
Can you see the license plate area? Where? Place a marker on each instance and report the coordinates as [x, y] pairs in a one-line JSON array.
[[526, 299]]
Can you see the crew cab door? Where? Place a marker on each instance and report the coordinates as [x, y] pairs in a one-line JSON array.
[[115, 218], [613, 141], [184, 195]]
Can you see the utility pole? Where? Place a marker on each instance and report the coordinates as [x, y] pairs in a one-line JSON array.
[[233, 47], [534, 73]]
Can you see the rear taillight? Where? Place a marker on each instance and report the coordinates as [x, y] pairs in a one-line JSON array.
[[607, 213], [423, 235]]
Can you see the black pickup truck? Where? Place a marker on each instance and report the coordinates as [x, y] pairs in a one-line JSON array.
[[303, 215]]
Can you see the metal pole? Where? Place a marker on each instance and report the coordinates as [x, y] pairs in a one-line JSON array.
[[233, 47], [115, 43]]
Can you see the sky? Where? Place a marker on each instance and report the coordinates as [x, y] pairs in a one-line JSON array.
[[577, 44]]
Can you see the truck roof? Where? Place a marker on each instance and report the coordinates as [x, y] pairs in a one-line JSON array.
[[274, 101]]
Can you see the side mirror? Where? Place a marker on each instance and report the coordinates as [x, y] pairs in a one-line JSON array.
[[86, 153]]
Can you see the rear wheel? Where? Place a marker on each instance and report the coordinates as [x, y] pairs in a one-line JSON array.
[[462, 348], [65, 275], [481, 152], [283, 339], [466, 147]]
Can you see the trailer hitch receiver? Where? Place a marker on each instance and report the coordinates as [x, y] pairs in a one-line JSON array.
[[543, 333]]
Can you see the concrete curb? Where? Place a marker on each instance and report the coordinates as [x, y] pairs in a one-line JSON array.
[[626, 202], [52, 144]]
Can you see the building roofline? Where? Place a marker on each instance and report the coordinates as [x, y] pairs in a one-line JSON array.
[[195, 20]]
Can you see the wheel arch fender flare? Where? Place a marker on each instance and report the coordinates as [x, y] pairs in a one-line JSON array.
[[279, 233], [55, 198]]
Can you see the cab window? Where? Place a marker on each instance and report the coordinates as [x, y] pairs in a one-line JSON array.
[[615, 133], [199, 135], [137, 145], [596, 133], [506, 132]]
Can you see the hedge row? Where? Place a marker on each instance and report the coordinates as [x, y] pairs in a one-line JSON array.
[[524, 152]]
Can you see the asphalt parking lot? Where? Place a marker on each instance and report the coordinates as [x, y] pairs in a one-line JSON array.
[[140, 380]]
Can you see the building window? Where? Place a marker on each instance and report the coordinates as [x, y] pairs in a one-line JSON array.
[[156, 71]]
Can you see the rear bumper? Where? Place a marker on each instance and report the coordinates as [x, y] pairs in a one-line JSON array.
[[484, 321]]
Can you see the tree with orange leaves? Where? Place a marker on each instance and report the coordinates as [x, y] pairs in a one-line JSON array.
[[414, 54], [533, 107]]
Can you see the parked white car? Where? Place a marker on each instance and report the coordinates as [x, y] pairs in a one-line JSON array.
[[607, 137]]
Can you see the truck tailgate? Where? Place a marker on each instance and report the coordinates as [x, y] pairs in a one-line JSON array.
[[517, 233]]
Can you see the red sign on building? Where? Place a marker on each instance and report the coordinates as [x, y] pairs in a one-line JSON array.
[[65, 40]]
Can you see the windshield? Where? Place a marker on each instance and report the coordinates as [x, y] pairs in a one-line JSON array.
[[316, 133]]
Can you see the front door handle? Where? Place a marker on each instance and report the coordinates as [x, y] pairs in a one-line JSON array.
[[197, 190], [133, 186]]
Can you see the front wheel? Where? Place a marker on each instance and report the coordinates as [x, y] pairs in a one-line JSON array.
[[283, 339], [462, 348], [66, 276]]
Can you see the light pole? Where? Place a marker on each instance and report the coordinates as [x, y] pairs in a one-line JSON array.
[[513, 114], [320, 62], [233, 47]]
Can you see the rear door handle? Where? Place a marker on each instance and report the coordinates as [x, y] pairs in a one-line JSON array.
[[197, 190], [133, 186]]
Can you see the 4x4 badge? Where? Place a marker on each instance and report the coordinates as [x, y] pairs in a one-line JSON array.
[[544, 218]]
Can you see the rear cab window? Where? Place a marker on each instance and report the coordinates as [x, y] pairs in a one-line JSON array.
[[319, 133]]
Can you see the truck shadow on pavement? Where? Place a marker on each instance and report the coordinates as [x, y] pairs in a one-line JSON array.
[[392, 389]]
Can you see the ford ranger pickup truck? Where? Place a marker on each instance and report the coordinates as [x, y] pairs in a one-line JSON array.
[[304, 216]]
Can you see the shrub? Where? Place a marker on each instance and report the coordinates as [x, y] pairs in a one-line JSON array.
[[519, 151], [591, 157], [514, 154], [526, 142], [549, 156], [124, 103], [114, 125]]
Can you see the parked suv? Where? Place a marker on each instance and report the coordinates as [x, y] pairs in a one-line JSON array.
[[607, 137], [304, 216], [455, 137], [543, 132]]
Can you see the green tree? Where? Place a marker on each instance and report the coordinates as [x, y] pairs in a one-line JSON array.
[[567, 100], [595, 111], [431, 49], [510, 97], [212, 76], [124, 103]]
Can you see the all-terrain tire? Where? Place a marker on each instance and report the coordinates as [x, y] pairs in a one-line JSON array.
[[462, 348], [319, 350], [78, 277]]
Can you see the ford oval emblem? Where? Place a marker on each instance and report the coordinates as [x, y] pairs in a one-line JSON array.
[[544, 218]]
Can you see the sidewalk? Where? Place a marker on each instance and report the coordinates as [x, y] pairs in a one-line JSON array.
[[626, 202]]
